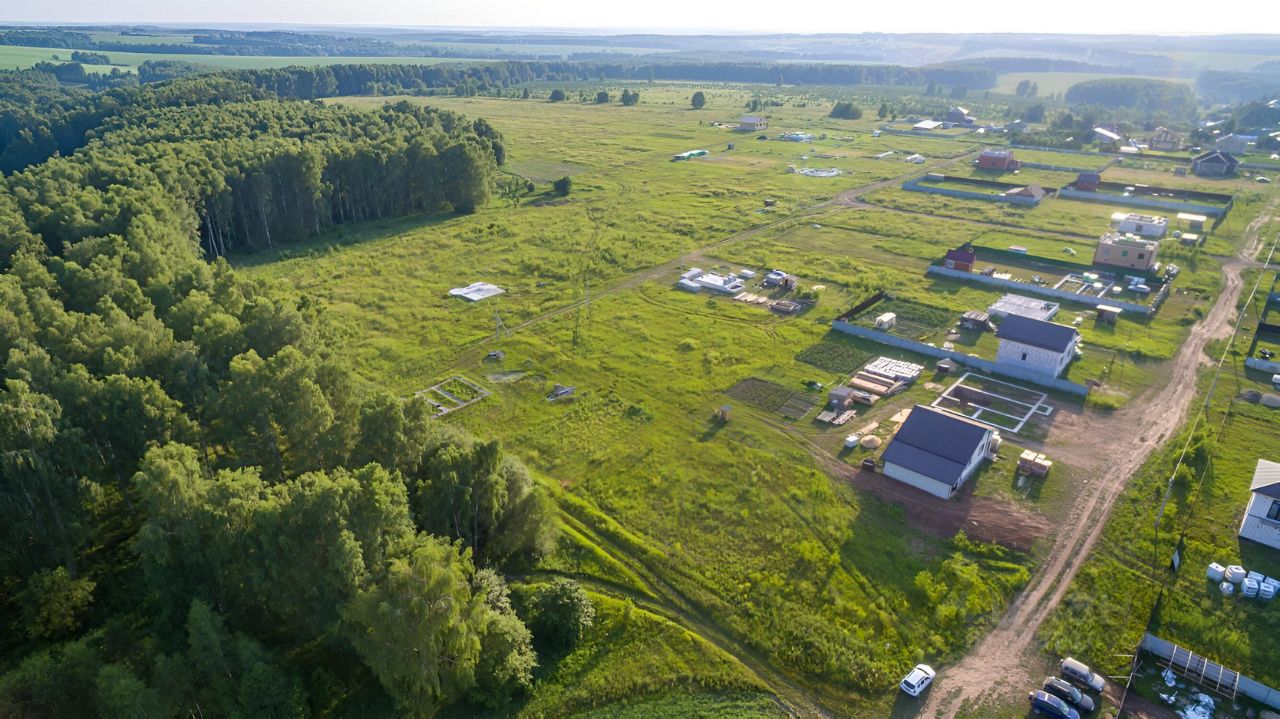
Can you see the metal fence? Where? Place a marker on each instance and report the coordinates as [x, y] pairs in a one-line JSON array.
[[1209, 674]]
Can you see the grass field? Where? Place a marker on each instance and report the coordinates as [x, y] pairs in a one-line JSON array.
[[727, 531]]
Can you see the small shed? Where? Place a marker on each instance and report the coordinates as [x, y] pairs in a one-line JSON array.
[[689, 285], [1108, 314], [975, 320], [770, 202], [946, 365], [724, 413], [886, 321], [839, 398], [962, 258], [1195, 222]]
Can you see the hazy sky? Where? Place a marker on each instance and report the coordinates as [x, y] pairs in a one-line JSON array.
[[811, 16]]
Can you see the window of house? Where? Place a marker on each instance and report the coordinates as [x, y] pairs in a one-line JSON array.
[[1124, 253], [1024, 356], [1274, 512], [1141, 255]]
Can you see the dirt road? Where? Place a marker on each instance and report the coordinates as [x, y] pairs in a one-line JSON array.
[[998, 663]]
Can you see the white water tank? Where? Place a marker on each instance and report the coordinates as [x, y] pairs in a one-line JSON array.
[[1215, 572], [1266, 591], [1235, 573], [1249, 587], [1227, 588]]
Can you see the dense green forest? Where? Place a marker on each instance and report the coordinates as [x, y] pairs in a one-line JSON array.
[[203, 512], [1142, 94]]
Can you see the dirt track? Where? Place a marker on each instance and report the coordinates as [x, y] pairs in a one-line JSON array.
[[999, 662]]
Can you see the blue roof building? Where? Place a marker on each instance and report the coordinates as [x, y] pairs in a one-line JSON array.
[[937, 451]]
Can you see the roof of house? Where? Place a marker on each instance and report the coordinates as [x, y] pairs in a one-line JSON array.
[[1000, 154], [1266, 479], [750, 118], [1037, 333], [936, 443], [1089, 177], [1035, 191], [962, 254], [961, 110], [1224, 157], [1107, 134]]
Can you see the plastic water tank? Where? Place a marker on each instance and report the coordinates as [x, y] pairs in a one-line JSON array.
[[1257, 577], [1216, 572], [1266, 591], [1249, 587], [1227, 588], [1235, 573]]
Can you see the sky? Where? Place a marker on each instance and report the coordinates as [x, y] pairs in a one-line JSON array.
[[811, 16]]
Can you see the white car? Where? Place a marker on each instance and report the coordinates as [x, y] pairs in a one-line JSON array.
[[918, 680]]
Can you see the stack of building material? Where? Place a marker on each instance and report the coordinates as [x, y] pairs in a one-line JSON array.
[[894, 369], [1034, 464]]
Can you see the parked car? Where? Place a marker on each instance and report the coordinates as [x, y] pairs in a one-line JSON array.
[[1078, 673], [1063, 690], [918, 680], [1049, 705]]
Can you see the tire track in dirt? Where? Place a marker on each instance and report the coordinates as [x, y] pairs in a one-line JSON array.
[[999, 662]]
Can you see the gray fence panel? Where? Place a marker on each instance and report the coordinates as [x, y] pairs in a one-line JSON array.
[[1054, 383], [1210, 210], [962, 194], [1032, 289]]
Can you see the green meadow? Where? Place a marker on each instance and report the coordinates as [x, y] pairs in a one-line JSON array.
[[730, 565]]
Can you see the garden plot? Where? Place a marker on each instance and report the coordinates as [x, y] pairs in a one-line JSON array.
[[992, 402], [772, 397]]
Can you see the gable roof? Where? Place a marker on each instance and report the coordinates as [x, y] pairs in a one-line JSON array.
[[962, 254], [751, 119], [1224, 157], [1037, 333], [1035, 191], [1266, 479], [1000, 154], [1089, 177], [936, 443], [1107, 134]]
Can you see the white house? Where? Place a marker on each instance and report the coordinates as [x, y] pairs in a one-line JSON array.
[[752, 123], [1040, 346], [1234, 144], [937, 451], [1262, 517], [1142, 225]]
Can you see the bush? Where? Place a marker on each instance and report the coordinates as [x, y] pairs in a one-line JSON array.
[[557, 95], [562, 613], [562, 186], [698, 100]]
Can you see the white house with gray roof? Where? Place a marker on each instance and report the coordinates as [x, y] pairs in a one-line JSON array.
[[1262, 517], [1045, 347], [937, 451]]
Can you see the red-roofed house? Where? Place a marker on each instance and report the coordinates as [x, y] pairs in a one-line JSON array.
[[1002, 160]]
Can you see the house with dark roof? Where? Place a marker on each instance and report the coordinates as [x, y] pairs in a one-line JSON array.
[[937, 451], [1262, 517], [1035, 345], [1215, 163], [1164, 140], [961, 258], [959, 116], [1087, 181]]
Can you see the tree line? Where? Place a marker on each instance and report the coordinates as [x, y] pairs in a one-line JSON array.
[[202, 510]]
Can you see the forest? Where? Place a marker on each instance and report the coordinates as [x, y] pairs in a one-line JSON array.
[[1141, 94], [204, 513]]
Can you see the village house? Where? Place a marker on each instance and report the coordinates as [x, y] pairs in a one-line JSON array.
[[1261, 521], [1215, 163], [1034, 192], [1087, 181], [1129, 251], [1002, 160], [1233, 143], [937, 451], [962, 258], [752, 123], [1164, 140], [1142, 225], [959, 116], [1040, 346], [1106, 137]]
